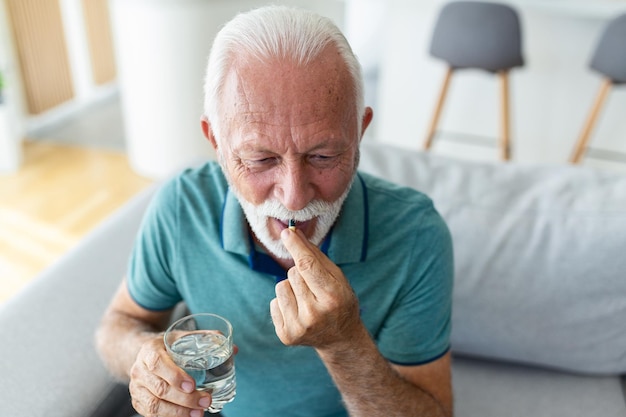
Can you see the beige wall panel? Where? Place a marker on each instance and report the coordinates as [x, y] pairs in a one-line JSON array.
[[42, 52], [98, 26]]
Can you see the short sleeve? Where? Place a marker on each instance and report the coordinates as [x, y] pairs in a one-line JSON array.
[[152, 264], [417, 329]]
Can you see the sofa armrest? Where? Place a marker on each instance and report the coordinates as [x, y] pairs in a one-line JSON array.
[[49, 364]]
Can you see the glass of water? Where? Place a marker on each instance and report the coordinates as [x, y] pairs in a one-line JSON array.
[[202, 345]]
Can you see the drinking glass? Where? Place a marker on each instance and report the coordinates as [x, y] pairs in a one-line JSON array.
[[202, 345]]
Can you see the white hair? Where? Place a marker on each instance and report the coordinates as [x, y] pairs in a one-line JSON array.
[[270, 33]]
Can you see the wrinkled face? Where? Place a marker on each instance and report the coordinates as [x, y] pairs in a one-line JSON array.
[[289, 144]]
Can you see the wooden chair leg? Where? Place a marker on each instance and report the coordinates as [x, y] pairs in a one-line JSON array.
[[581, 144], [439, 106], [505, 145]]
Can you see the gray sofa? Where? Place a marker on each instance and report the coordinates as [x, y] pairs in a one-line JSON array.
[[539, 309]]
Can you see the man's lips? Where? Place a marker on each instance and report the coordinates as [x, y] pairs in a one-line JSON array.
[[285, 224]]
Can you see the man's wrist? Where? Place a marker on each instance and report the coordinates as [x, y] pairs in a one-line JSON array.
[[351, 343]]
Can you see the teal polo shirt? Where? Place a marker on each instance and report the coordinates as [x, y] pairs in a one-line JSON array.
[[389, 241]]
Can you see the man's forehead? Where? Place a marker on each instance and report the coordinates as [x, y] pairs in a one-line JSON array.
[[294, 94]]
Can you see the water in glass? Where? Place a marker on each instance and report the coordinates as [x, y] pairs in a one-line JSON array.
[[207, 358]]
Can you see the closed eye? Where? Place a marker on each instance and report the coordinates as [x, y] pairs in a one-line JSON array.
[[260, 163], [322, 161]]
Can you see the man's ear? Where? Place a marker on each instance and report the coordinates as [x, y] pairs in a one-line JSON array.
[[208, 131], [368, 115]]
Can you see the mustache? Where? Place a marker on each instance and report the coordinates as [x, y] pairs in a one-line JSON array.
[[273, 208]]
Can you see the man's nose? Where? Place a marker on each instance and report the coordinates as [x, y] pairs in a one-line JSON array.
[[295, 189]]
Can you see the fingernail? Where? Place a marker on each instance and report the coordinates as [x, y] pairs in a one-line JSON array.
[[204, 402], [187, 387], [196, 413]]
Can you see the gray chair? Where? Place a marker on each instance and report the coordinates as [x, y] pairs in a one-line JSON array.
[[479, 35], [609, 59]]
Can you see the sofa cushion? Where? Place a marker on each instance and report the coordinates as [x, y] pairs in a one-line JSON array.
[[496, 389], [539, 252]]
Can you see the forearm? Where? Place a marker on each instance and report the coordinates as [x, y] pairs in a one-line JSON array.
[[371, 387], [119, 339]]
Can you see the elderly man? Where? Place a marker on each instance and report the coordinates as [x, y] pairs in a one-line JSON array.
[[348, 314]]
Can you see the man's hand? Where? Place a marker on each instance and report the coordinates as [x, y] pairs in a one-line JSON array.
[[160, 388], [315, 305]]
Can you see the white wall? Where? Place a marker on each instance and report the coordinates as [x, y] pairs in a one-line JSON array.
[[11, 122], [550, 96]]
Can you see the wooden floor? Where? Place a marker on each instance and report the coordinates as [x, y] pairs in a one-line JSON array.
[[60, 193]]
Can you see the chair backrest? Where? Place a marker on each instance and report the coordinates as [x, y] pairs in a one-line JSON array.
[[609, 57], [474, 34]]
